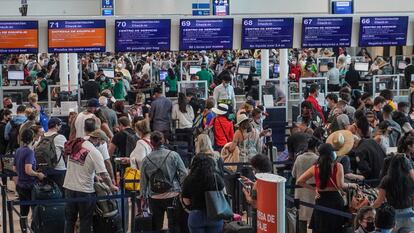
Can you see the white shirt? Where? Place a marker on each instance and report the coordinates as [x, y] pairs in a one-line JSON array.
[[185, 120], [80, 123], [146, 68], [79, 177], [59, 142], [101, 148], [225, 93], [142, 149]]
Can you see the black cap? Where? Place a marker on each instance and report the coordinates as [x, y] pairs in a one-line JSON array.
[[53, 122]]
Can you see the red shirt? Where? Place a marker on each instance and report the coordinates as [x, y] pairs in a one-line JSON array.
[[332, 177], [223, 130], [316, 106], [295, 70]]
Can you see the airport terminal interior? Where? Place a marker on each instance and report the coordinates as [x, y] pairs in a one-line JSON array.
[[206, 116]]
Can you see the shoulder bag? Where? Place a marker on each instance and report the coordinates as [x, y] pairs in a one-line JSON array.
[[216, 204]]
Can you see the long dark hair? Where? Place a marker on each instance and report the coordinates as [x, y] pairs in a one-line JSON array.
[[398, 183], [324, 163], [182, 102], [202, 168], [171, 74], [404, 142]]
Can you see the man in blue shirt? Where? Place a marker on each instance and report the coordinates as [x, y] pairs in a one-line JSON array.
[[160, 113]]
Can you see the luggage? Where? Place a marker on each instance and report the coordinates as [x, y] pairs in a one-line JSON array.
[[45, 152], [107, 225], [237, 227], [7, 161], [143, 222], [46, 190], [48, 218]]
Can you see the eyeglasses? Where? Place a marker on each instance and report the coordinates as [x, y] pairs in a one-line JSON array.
[[369, 219]]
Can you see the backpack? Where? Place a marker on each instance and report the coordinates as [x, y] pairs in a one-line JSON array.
[[45, 152], [14, 136], [158, 181], [131, 142], [44, 119]]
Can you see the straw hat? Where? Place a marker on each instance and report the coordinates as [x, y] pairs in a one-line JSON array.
[[342, 141], [241, 118], [327, 53]]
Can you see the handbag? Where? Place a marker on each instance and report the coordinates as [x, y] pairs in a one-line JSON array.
[[216, 204], [341, 192], [132, 174], [364, 195], [8, 162]]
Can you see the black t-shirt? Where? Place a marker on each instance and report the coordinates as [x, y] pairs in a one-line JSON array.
[[346, 164], [403, 201], [91, 89], [3, 142], [120, 141], [194, 188]]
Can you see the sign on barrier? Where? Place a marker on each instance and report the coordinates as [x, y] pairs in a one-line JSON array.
[[270, 203]]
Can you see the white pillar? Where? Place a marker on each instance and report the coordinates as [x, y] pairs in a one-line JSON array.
[[284, 70], [73, 71], [264, 57], [63, 71]]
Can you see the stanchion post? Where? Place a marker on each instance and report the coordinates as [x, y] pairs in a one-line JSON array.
[[133, 210], [122, 198], [297, 205], [270, 148], [11, 221], [4, 207]]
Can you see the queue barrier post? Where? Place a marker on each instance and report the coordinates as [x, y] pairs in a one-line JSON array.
[[296, 202], [10, 212], [4, 207]]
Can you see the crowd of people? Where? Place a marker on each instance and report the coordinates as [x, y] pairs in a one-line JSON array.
[[179, 145]]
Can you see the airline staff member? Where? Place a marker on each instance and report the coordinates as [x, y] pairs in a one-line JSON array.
[[224, 93]]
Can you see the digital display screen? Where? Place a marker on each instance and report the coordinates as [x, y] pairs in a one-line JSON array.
[[73, 36], [19, 37], [383, 31], [163, 75], [342, 7], [110, 73], [194, 69], [206, 34], [326, 32], [267, 33], [142, 35], [243, 70], [362, 66], [15, 75]]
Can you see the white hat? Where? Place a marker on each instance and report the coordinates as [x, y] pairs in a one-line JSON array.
[[241, 118], [221, 109]]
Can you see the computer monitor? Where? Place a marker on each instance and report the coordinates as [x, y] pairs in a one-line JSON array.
[[15, 75], [110, 73], [276, 69], [402, 65], [243, 70], [362, 66], [194, 69], [163, 75]]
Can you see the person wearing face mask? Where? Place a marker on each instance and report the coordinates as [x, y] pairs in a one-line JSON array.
[[121, 67], [84, 163], [257, 122], [364, 220], [246, 138], [58, 140], [329, 180], [5, 117], [119, 88], [40, 86], [294, 70], [104, 82], [224, 93], [307, 72]]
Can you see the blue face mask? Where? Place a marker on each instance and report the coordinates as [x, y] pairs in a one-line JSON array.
[[386, 231], [334, 156]]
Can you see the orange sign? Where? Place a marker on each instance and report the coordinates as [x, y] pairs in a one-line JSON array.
[[268, 208], [18, 36]]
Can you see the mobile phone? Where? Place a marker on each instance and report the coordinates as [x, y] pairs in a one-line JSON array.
[[245, 185]]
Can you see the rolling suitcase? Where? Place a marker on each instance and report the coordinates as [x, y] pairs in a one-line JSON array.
[[48, 218], [143, 222], [107, 225], [237, 227]]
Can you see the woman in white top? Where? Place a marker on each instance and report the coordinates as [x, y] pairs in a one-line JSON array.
[[183, 115], [143, 147]]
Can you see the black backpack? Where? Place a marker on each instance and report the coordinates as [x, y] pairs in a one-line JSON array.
[[159, 183], [131, 142], [14, 136]]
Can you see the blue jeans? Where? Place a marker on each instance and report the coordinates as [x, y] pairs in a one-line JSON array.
[[199, 223], [404, 223], [84, 209]]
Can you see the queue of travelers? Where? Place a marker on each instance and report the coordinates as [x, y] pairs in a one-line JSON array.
[[177, 144]]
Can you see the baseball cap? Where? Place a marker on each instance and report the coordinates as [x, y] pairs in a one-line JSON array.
[[93, 103], [53, 122], [99, 134]]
